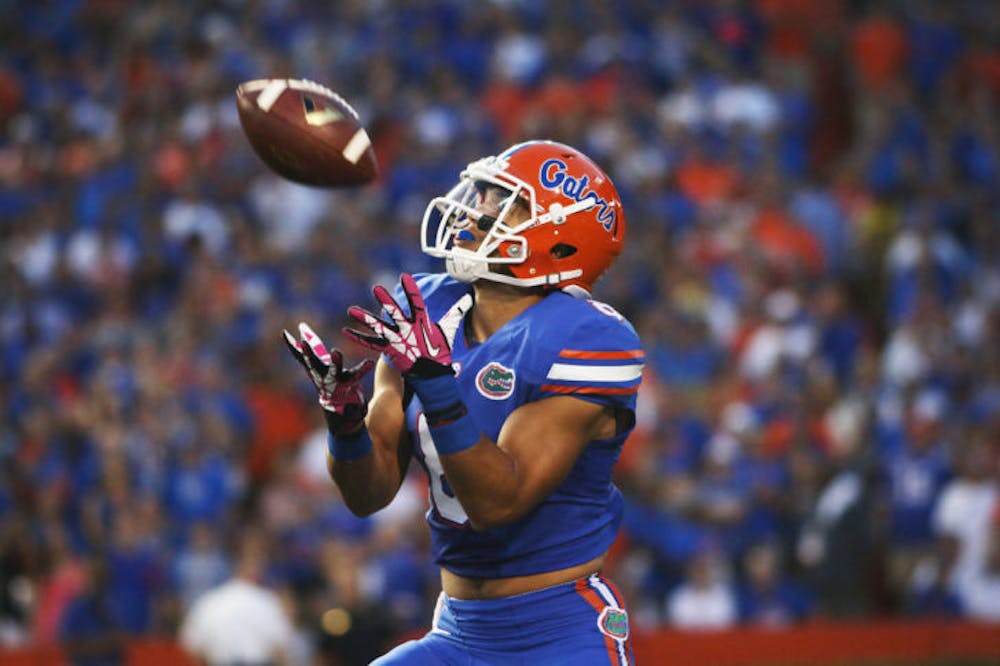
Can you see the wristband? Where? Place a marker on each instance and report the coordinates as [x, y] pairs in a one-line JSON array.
[[437, 394], [345, 448], [448, 419], [350, 420], [454, 436]]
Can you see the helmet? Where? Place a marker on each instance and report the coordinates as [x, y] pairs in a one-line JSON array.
[[574, 230]]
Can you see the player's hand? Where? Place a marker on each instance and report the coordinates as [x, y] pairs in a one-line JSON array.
[[414, 344], [339, 390]]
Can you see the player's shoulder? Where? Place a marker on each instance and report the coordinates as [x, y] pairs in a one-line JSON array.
[[439, 283], [587, 324], [588, 349], [439, 290]]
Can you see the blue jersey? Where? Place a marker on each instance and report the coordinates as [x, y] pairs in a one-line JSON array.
[[560, 346]]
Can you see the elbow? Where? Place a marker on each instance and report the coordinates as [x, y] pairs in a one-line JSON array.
[[362, 502], [364, 508]]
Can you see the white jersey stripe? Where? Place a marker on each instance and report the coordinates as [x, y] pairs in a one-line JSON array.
[[604, 591], [595, 373]]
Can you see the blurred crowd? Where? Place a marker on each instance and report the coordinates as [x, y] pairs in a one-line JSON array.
[[812, 191]]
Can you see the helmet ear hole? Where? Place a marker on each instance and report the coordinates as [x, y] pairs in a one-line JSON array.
[[562, 250]]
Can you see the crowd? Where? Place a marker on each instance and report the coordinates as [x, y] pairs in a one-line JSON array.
[[812, 191]]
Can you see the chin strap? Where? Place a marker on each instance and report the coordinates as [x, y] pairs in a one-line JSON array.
[[558, 213], [550, 280]]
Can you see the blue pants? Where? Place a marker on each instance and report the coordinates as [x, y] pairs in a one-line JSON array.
[[577, 624]]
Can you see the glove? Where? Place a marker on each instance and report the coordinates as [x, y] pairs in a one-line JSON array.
[[339, 390], [418, 348], [414, 344]]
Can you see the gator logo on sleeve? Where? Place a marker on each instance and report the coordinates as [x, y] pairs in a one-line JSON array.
[[614, 623], [495, 381]]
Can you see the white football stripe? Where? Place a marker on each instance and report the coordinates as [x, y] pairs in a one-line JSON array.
[[597, 373], [356, 147], [269, 95], [255, 85]]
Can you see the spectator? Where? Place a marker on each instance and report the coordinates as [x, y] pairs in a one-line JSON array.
[[240, 621], [982, 598], [200, 565], [704, 600], [768, 597], [963, 523], [915, 475], [878, 48], [93, 630], [834, 546], [353, 628]]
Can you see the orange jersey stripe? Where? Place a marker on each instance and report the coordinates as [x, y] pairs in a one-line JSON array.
[[575, 353], [590, 594], [594, 599], [555, 388]]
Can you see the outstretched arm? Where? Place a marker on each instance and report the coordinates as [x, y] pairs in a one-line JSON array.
[[366, 461], [369, 483]]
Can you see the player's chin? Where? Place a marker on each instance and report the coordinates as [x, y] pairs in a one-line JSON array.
[[502, 269]]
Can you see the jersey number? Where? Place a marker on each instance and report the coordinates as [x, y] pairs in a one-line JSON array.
[[445, 504], [607, 310]]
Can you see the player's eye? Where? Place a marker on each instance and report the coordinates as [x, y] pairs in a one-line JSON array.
[[493, 197], [485, 192]]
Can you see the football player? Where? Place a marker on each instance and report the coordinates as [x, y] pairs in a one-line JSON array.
[[515, 391]]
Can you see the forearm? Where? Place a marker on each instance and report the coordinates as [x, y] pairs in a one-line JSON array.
[[369, 482], [487, 482], [484, 479], [498, 483]]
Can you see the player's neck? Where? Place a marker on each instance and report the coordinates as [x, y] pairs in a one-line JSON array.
[[495, 305]]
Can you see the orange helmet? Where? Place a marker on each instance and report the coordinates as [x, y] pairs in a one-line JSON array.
[[574, 231]]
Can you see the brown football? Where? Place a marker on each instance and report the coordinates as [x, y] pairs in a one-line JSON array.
[[306, 132]]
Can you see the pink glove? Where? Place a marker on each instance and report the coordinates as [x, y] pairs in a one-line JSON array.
[[339, 390], [414, 344]]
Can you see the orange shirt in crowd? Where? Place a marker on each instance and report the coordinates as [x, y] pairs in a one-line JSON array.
[[784, 241], [506, 103], [705, 181], [982, 67], [793, 25], [280, 422], [878, 50]]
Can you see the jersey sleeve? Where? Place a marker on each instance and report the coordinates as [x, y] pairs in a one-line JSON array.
[[601, 360]]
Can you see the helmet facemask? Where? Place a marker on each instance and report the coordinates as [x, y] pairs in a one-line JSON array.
[[504, 244]]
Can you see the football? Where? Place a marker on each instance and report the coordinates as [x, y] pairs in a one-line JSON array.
[[306, 132]]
